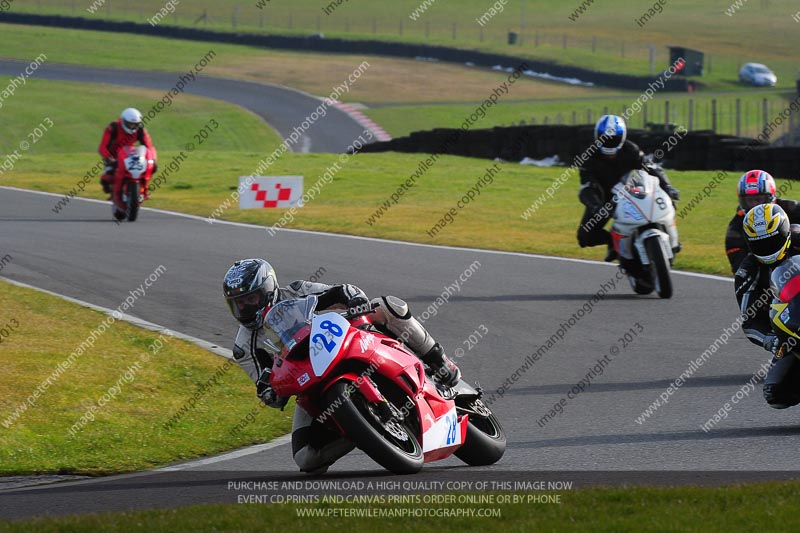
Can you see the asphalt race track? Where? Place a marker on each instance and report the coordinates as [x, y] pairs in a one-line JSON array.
[[283, 108], [521, 300]]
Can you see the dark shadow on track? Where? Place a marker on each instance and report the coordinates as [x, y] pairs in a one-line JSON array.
[[732, 380], [641, 438]]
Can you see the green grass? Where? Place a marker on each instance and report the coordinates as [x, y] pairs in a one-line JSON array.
[[728, 40], [385, 80], [78, 126], [156, 374], [756, 507]]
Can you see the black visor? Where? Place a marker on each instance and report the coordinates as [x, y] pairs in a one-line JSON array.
[[749, 201], [768, 246], [614, 141], [245, 307], [132, 125]]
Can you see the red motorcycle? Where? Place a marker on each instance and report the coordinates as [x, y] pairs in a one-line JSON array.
[[135, 167], [372, 390]]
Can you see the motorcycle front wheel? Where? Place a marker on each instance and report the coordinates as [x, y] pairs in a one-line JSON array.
[[390, 444], [660, 266], [132, 206], [485, 443]]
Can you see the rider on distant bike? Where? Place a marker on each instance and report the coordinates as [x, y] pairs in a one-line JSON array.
[[601, 171], [251, 289], [755, 187], [127, 130]]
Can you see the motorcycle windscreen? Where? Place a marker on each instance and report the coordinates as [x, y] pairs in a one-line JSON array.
[[285, 320], [327, 338], [785, 279]]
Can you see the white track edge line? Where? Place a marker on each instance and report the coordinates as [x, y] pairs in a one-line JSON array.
[[136, 321]]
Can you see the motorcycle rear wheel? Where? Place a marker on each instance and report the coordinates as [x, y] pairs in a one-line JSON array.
[[392, 445]]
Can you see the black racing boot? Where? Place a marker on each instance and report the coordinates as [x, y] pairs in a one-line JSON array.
[[611, 254], [445, 371], [106, 186]]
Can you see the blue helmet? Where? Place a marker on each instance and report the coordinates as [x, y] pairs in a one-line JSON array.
[[611, 131]]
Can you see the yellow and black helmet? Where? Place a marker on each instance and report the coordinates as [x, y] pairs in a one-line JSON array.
[[768, 233]]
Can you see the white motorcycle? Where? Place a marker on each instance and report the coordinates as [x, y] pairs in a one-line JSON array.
[[644, 232]]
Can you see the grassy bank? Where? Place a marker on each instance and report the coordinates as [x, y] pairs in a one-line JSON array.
[[109, 411]]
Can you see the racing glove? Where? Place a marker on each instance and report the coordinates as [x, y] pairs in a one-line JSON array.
[[672, 192], [267, 395], [358, 305], [590, 197], [772, 344]]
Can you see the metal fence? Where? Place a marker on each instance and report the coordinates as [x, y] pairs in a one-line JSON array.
[[734, 116]]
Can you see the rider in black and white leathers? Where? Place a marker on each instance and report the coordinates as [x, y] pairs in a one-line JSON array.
[[314, 446]]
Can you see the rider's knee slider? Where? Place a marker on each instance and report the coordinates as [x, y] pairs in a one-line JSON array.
[[397, 307]]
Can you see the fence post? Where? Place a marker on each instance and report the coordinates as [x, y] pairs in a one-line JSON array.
[[574, 117], [455, 25], [347, 24], [564, 43], [291, 20], [738, 117], [666, 115], [746, 113], [319, 24], [644, 115], [400, 28], [589, 116], [427, 29], [622, 50], [594, 44], [605, 110], [536, 39], [765, 113], [481, 37], [374, 25], [714, 115], [691, 115]]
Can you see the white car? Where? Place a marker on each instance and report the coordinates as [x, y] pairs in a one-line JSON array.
[[758, 75]]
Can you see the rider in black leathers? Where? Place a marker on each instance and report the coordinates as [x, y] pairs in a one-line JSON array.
[[768, 249]]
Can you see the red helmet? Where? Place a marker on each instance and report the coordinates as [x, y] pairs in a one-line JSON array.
[[756, 187]]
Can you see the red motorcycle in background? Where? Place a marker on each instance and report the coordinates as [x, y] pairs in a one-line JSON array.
[[135, 167], [373, 391]]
